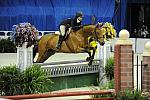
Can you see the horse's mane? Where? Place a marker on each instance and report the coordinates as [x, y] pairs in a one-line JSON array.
[[87, 25], [83, 27], [82, 30]]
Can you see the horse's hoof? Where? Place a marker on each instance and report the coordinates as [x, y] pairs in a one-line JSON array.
[[88, 58], [89, 64]]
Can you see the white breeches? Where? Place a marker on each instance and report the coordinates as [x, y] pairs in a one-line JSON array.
[[62, 30], [69, 30]]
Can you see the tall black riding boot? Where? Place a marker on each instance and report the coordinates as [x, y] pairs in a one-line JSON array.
[[58, 46]]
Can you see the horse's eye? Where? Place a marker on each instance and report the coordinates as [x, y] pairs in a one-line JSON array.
[[109, 36]]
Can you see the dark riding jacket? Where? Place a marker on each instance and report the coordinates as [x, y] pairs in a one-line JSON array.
[[71, 22]]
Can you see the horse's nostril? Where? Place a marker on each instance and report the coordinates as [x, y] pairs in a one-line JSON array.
[[102, 43]]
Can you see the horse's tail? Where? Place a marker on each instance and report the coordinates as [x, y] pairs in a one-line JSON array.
[[35, 50]]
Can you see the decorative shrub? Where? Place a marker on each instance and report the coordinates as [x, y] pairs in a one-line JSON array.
[[7, 46], [10, 80], [131, 95], [35, 80], [14, 82], [108, 85], [109, 68]]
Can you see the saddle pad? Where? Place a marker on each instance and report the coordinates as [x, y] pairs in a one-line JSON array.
[[57, 32]]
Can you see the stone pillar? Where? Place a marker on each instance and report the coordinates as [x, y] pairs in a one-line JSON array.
[[146, 69], [123, 66], [24, 56]]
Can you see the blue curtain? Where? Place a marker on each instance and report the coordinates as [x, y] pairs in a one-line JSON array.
[[47, 14], [119, 18]]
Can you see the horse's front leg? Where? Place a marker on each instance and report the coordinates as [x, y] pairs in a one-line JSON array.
[[89, 53], [87, 50], [91, 57], [93, 54], [94, 50]]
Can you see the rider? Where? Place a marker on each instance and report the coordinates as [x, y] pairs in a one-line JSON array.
[[67, 25]]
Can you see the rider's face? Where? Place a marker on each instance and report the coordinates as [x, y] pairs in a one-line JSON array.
[[80, 18]]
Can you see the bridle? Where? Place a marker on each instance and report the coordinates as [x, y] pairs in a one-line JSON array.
[[95, 34]]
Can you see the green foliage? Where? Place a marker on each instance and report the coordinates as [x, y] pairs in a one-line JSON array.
[[7, 46], [14, 82], [10, 78], [131, 95], [109, 68], [108, 85], [35, 79]]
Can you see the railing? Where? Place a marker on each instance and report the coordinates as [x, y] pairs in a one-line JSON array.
[[75, 67], [138, 73], [64, 94]]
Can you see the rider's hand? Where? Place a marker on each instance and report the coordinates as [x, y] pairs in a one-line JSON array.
[[81, 26]]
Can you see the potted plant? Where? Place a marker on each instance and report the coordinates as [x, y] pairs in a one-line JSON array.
[[109, 68]]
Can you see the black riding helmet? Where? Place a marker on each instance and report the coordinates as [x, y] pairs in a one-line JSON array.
[[79, 14]]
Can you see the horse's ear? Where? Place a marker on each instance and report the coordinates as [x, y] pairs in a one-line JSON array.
[[99, 25]]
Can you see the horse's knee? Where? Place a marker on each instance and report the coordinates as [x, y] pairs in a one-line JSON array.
[[90, 62], [88, 58], [92, 57]]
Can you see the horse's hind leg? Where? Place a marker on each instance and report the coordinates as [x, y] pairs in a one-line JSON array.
[[45, 55], [48, 53], [35, 50], [40, 58]]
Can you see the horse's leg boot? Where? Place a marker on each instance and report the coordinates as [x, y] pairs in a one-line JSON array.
[[58, 46]]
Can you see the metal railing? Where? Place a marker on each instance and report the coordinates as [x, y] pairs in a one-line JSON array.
[[138, 66]]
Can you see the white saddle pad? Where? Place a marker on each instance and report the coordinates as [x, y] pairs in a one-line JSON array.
[[57, 32]]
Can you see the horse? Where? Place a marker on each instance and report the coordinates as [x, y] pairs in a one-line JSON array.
[[77, 42]]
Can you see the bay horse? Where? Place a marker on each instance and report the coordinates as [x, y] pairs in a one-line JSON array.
[[77, 42]]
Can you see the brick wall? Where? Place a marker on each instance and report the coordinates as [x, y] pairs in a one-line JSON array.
[[117, 68], [146, 74], [123, 67]]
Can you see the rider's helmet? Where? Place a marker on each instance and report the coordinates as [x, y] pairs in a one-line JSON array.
[[79, 14]]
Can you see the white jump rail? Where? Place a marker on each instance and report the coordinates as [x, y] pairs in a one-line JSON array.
[[66, 68]]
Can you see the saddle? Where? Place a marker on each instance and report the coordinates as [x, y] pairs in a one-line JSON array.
[[66, 35]]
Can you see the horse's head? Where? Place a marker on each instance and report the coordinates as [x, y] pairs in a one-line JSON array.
[[98, 35], [104, 32]]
